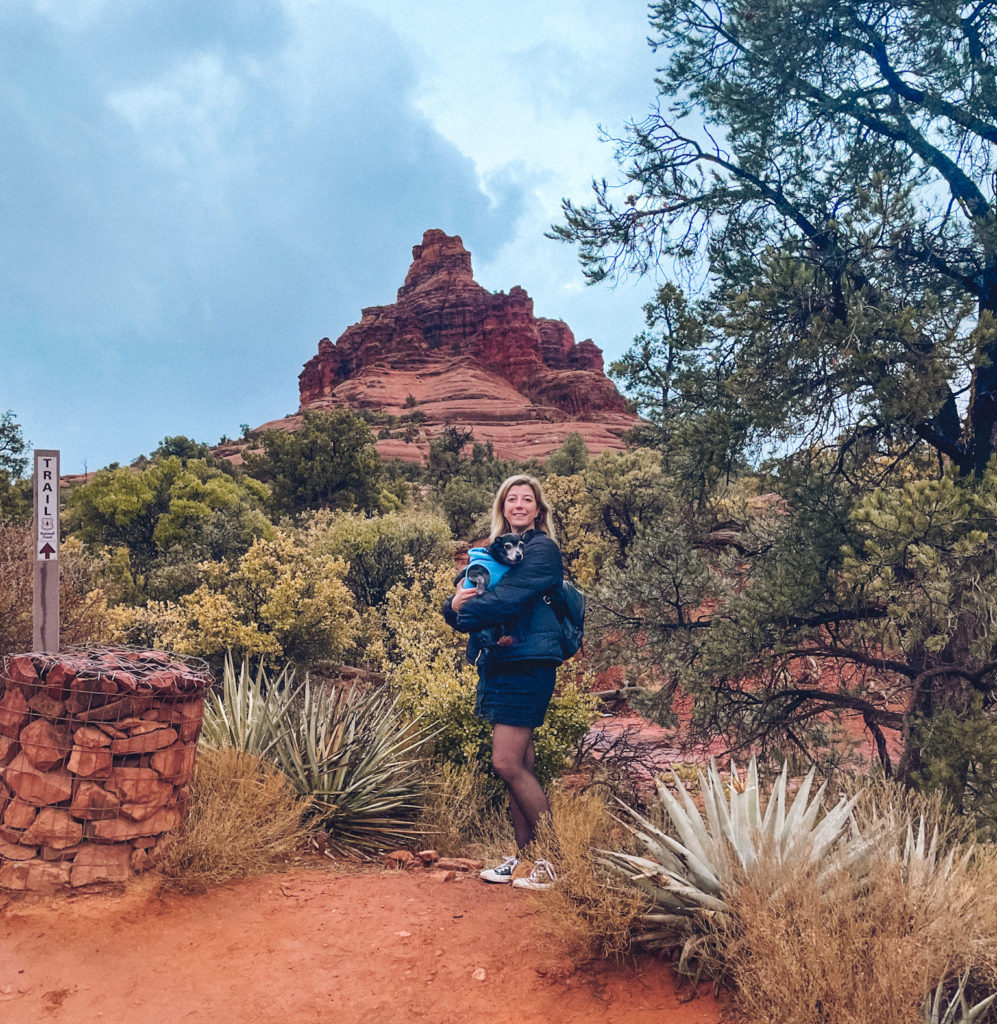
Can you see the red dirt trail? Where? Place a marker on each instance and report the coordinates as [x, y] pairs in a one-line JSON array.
[[316, 946]]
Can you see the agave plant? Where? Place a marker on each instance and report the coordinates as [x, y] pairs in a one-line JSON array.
[[690, 874], [958, 1010], [920, 859], [347, 751]]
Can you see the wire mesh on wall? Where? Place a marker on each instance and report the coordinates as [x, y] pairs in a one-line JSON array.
[[97, 748]]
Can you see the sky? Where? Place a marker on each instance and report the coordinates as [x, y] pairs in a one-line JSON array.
[[194, 192]]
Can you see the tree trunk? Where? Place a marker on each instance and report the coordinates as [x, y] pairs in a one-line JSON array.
[[983, 410]]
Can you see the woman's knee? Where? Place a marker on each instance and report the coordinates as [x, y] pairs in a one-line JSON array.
[[512, 751], [508, 764]]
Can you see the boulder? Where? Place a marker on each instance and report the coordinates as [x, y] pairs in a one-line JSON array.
[[90, 762], [34, 875], [137, 785], [8, 750], [54, 828], [185, 715], [92, 801], [14, 711], [47, 707], [152, 736], [45, 744], [19, 814], [35, 786], [92, 736], [101, 864], [21, 669], [175, 763], [57, 677], [15, 851], [118, 830]]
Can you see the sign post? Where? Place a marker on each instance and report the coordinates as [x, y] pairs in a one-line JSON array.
[[45, 537]]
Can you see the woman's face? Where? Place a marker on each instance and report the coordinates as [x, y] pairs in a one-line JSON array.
[[520, 508]]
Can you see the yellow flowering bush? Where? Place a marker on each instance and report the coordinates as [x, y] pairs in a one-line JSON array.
[[576, 520], [281, 601]]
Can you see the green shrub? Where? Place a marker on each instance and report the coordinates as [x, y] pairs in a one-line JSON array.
[[464, 503], [281, 601], [329, 462], [376, 547], [959, 761], [163, 518]]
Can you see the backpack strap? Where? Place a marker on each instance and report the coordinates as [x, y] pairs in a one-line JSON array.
[[555, 599]]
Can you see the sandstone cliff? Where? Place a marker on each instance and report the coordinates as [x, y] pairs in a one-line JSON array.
[[450, 352]]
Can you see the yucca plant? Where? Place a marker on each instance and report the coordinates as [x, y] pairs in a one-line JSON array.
[[690, 872], [357, 761], [958, 1010], [249, 711], [347, 751]]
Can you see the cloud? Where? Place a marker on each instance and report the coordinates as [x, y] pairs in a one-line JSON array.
[[193, 194]]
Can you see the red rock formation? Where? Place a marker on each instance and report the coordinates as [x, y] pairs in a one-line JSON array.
[[463, 355]]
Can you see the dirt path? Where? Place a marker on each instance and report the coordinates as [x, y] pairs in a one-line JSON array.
[[315, 946]]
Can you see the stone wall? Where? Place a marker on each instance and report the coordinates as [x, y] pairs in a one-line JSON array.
[[97, 750]]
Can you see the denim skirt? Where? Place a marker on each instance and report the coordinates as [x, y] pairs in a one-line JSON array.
[[515, 693]]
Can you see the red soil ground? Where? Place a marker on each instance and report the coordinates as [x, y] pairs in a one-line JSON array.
[[317, 946]]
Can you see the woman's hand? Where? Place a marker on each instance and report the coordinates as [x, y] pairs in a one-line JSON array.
[[463, 595]]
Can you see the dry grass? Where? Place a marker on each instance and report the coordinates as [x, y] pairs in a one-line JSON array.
[[882, 800], [864, 945], [244, 820], [847, 952], [82, 605], [591, 912], [462, 814]]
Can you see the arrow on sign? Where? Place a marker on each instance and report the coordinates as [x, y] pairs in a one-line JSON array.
[[48, 551]]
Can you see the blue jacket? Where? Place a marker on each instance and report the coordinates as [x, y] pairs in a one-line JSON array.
[[516, 606]]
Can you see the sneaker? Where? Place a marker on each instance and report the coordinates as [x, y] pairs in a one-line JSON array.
[[543, 876], [503, 873]]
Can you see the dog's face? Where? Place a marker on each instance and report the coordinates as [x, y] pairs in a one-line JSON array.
[[507, 549]]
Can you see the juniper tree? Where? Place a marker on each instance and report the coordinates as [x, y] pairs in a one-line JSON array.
[[329, 462], [830, 166], [824, 174], [15, 491]]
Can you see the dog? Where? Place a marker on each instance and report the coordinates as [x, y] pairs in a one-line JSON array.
[[488, 565]]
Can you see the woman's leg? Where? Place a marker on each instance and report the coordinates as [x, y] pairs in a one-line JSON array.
[[520, 824], [513, 758]]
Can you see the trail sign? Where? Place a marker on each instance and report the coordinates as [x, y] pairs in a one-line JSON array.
[[46, 541]]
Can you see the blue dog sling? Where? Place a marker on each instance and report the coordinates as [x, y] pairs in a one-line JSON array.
[[496, 570]]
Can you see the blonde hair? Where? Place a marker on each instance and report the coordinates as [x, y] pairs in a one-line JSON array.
[[501, 525]]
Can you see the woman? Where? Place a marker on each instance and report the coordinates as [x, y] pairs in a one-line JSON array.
[[515, 642]]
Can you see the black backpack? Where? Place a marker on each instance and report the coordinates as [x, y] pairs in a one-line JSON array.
[[568, 604]]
